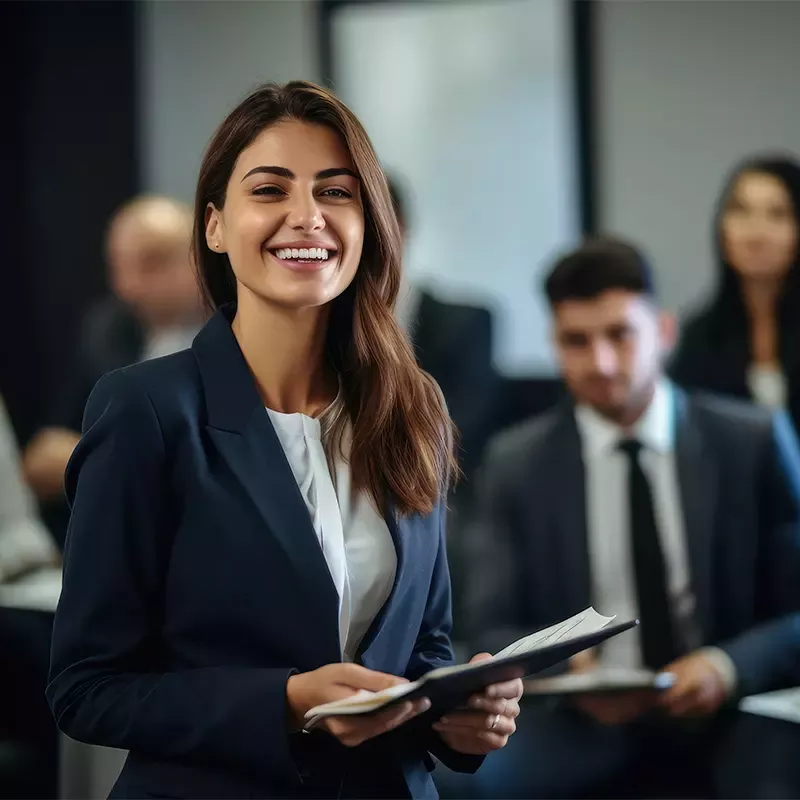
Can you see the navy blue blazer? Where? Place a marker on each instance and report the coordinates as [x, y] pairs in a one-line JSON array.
[[194, 586]]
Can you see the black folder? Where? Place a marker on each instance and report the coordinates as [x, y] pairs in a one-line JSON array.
[[451, 688]]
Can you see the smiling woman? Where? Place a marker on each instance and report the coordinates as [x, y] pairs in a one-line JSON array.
[[292, 169], [274, 215], [258, 523]]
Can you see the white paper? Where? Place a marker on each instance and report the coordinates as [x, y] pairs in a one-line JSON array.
[[588, 621], [784, 704], [598, 680], [37, 591], [361, 702]]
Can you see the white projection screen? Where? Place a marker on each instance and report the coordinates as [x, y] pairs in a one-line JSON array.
[[471, 105]]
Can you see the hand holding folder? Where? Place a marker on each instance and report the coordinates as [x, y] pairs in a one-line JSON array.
[[450, 687]]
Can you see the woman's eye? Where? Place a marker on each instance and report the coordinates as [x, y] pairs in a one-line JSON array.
[[339, 193], [268, 190]]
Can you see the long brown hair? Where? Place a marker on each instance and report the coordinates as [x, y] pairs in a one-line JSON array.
[[402, 445]]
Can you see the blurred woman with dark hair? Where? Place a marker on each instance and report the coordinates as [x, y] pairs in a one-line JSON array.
[[258, 522], [746, 342]]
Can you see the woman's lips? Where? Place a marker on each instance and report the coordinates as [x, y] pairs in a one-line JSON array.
[[304, 259]]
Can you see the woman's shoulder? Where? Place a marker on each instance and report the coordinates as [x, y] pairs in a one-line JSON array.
[[695, 350]]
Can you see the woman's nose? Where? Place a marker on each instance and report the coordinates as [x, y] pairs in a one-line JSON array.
[[304, 213]]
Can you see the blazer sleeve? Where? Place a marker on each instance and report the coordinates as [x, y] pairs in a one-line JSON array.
[[767, 656], [493, 573], [107, 682], [433, 649], [25, 543]]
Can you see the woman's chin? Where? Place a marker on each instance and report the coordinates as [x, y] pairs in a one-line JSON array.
[[287, 290], [300, 299]]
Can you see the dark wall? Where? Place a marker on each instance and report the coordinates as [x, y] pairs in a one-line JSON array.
[[17, 375], [70, 137]]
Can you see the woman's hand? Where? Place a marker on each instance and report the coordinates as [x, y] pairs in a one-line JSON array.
[[338, 681], [488, 722]]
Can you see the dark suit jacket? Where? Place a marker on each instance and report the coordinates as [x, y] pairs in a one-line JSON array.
[[194, 586], [110, 338], [706, 362], [739, 477], [453, 343]]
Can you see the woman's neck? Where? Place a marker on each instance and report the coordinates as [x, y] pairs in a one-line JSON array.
[[285, 350], [761, 298], [761, 304]]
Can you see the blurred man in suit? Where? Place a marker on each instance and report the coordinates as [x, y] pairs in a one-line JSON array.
[[25, 543], [154, 310], [28, 743], [683, 511], [453, 342]]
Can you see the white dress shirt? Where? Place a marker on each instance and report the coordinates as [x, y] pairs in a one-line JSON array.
[[354, 537], [613, 580], [166, 341], [607, 510]]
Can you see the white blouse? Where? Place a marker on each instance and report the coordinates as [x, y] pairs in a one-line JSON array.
[[767, 385], [354, 537]]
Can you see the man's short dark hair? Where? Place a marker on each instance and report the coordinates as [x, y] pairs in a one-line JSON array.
[[398, 200], [599, 265]]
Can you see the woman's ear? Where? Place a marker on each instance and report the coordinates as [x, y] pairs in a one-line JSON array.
[[215, 231]]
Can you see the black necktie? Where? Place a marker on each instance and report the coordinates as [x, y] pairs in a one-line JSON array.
[[657, 627]]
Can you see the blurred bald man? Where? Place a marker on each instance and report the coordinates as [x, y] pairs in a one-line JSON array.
[[155, 309], [150, 272]]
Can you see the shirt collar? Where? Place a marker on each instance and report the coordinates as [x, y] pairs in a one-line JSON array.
[[655, 429]]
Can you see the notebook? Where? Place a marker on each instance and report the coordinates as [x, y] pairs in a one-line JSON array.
[[602, 680], [449, 687], [782, 704]]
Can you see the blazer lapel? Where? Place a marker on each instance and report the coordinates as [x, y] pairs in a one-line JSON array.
[[398, 530], [698, 483], [565, 495], [242, 431]]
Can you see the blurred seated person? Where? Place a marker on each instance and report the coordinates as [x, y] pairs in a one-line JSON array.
[[645, 502], [27, 731], [25, 543], [746, 342], [453, 343], [154, 310]]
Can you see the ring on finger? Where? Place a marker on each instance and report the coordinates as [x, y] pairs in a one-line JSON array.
[[494, 722]]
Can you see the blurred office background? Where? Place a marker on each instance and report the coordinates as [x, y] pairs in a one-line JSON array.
[[514, 126]]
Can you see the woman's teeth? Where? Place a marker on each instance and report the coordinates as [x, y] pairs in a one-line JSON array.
[[312, 253]]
